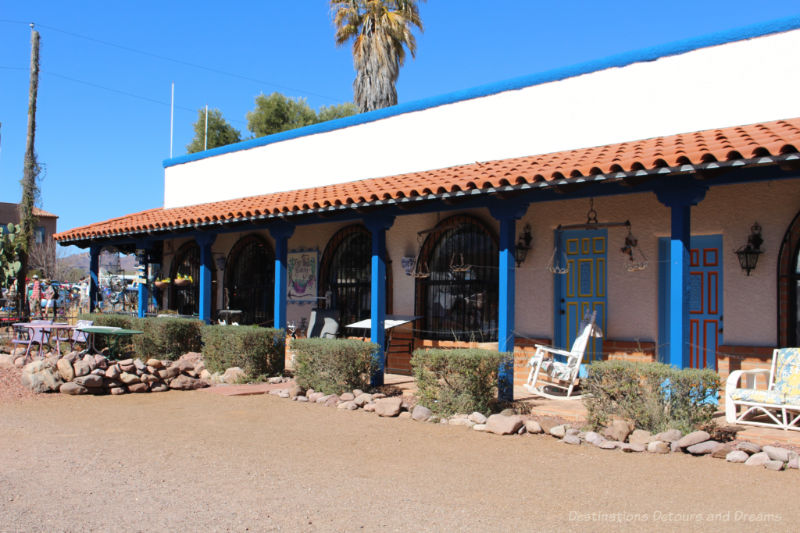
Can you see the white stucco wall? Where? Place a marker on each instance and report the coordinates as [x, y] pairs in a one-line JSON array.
[[702, 89]]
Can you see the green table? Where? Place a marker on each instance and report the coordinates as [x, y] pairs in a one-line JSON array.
[[113, 336]]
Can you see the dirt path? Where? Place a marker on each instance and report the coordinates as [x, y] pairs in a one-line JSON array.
[[191, 461]]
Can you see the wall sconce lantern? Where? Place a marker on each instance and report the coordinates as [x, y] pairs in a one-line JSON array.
[[408, 263], [748, 254], [523, 245]]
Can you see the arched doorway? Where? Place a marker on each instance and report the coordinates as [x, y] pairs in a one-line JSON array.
[[346, 271], [458, 300], [789, 286], [250, 280], [185, 298]]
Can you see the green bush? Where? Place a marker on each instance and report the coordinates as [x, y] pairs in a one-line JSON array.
[[333, 366], [112, 321], [654, 396], [257, 351], [458, 380], [166, 338]]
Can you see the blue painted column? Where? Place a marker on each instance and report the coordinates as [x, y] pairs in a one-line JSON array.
[[378, 225], [679, 195], [507, 212], [281, 232], [94, 281], [206, 275], [144, 260]]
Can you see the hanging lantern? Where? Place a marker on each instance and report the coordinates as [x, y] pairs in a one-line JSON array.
[[748, 253]]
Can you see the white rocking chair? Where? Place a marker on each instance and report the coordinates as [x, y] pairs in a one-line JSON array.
[[562, 374]]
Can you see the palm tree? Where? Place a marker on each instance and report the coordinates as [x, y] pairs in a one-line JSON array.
[[381, 32]]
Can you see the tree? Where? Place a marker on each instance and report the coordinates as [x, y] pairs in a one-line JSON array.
[[326, 113], [276, 113], [220, 132], [381, 32]]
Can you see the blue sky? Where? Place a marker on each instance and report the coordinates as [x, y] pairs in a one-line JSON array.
[[106, 69]]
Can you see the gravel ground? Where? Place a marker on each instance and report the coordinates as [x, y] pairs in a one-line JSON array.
[[195, 461]]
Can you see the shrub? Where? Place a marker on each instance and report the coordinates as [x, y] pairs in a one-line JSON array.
[[654, 396], [112, 321], [458, 380], [333, 366], [257, 351], [166, 338]]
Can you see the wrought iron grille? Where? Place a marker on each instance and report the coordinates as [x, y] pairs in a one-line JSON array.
[[250, 280], [459, 299], [346, 271], [185, 300]]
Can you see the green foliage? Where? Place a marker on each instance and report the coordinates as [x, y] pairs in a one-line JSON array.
[[220, 132], [458, 380], [166, 338], [326, 113], [276, 113], [333, 366], [112, 321], [10, 246], [654, 396], [257, 351]]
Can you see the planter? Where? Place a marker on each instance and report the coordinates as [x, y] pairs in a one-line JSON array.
[[161, 284], [182, 282]]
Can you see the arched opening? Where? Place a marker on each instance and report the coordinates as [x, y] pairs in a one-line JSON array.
[[346, 271], [250, 280], [184, 297], [458, 300], [789, 286]]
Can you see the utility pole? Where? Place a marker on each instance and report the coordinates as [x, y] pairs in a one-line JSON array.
[[171, 117], [205, 136], [29, 174]]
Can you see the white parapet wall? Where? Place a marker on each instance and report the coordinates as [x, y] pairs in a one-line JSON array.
[[696, 88]]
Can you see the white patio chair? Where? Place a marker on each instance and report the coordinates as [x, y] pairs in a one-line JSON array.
[[778, 404], [562, 373]]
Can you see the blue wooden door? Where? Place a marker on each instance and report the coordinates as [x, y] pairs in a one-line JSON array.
[[582, 288], [705, 299]]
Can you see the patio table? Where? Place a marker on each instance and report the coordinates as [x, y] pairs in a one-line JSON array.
[[114, 336], [36, 333]]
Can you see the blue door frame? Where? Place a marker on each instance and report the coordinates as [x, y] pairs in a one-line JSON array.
[[582, 288], [705, 300]]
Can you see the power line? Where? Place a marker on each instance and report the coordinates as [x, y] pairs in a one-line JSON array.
[[174, 60]]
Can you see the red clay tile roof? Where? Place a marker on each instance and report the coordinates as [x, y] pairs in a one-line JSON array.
[[726, 144]]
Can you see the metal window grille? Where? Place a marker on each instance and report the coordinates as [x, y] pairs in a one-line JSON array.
[[250, 280], [185, 300]]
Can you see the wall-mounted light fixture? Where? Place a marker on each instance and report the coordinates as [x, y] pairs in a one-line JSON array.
[[523, 245], [408, 263], [748, 253]]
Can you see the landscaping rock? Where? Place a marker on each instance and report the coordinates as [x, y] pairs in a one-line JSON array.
[[508, 412], [159, 387], [458, 421], [99, 372], [322, 398], [779, 454], [347, 397], [421, 413], [703, 448], [609, 445], [640, 436], [378, 396], [774, 465], [793, 463], [186, 383], [388, 406], [129, 379], [295, 390], [558, 432], [155, 363], [72, 388], [39, 377], [90, 381], [332, 400], [138, 387], [19, 362], [503, 425], [533, 427], [363, 399], [140, 366], [169, 372], [571, 439], [479, 427], [721, 451], [658, 446], [547, 423], [81, 369], [757, 459], [673, 446], [370, 407], [617, 430], [100, 362], [404, 414], [478, 418], [65, 370], [235, 375], [113, 372], [695, 437], [349, 405], [302, 399], [357, 393], [117, 390], [632, 448], [205, 374], [737, 456], [148, 378], [593, 438]]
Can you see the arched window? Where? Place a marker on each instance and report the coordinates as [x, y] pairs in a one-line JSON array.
[[346, 271], [789, 286], [458, 300], [185, 298], [250, 280]]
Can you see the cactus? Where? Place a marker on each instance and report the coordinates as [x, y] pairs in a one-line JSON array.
[[9, 253]]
